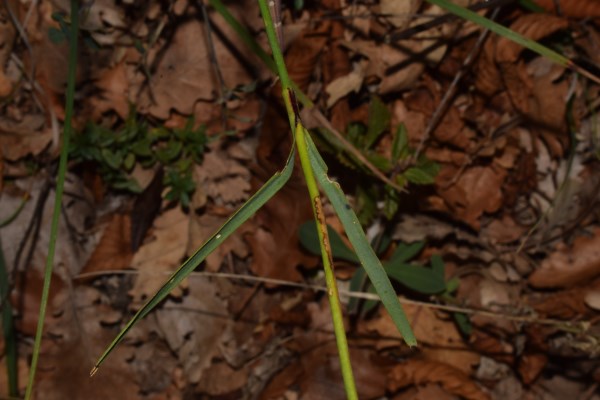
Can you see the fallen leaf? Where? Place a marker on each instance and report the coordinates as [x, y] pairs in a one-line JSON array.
[[531, 366], [443, 341], [572, 9], [113, 252], [477, 190], [399, 13], [420, 372], [193, 327], [184, 74], [160, 256], [567, 267], [344, 85]]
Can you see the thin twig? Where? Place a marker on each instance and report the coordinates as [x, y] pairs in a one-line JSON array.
[[527, 319], [449, 95]]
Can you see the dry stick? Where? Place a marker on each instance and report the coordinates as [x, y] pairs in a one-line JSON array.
[[579, 326], [449, 95]]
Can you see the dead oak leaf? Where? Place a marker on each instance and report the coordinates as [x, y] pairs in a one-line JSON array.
[[568, 267], [223, 179], [420, 372], [184, 73], [443, 341], [113, 252], [477, 190], [194, 326], [161, 255]]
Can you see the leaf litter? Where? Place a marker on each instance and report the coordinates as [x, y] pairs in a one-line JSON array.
[[513, 211]]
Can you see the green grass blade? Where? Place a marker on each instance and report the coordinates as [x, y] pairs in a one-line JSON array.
[[60, 184], [267, 191], [502, 31], [357, 237], [10, 340], [253, 45]]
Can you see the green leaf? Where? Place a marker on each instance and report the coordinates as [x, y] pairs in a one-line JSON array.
[[267, 191], [112, 159], [310, 240], [356, 284], [415, 277], [170, 152], [365, 253], [379, 120], [437, 266], [129, 161], [369, 304], [400, 148], [463, 322], [419, 176], [142, 147], [405, 252]]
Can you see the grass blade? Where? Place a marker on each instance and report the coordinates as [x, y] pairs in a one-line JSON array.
[[60, 184], [267, 191], [357, 237], [502, 31]]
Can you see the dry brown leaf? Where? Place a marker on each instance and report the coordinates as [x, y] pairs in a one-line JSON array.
[[303, 53], [163, 254], [478, 190], [565, 305], [592, 299], [26, 300], [420, 372], [566, 267], [220, 379], [274, 235], [532, 26], [573, 9], [344, 85], [399, 13], [488, 344], [16, 146], [114, 85], [531, 366], [503, 230], [502, 51], [66, 360], [383, 56], [223, 179], [440, 334], [193, 327], [184, 73], [113, 252]]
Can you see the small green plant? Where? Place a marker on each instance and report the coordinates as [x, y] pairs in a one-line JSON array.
[[400, 164], [117, 153], [426, 280]]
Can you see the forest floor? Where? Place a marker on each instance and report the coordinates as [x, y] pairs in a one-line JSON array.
[[468, 156]]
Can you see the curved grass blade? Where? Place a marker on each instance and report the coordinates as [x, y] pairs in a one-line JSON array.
[[267, 191], [502, 31], [359, 241]]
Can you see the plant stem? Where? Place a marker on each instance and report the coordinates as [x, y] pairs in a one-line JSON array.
[[313, 191], [62, 168]]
